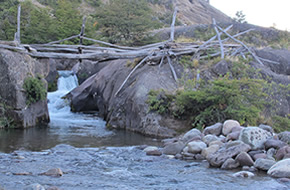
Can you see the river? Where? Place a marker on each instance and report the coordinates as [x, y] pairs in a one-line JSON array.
[[93, 157]]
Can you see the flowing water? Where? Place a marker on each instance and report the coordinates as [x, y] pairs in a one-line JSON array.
[[93, 157]]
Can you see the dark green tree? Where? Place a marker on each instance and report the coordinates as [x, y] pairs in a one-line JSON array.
[[125, 21]]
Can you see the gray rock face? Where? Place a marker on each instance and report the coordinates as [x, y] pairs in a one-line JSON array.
[[280, 169], [255, 137], [173, 148], [272, 143], [230, 164], [196, 147], [15, 68], [285, 136], [264, 164], [128, 110], [215, 129], [229, 125], [244, 159], [226, 152]]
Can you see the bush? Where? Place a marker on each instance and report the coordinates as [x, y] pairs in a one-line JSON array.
[[34, 90], [281, 124]]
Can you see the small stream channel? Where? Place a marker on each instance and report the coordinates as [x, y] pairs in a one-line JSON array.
[[93, 157]]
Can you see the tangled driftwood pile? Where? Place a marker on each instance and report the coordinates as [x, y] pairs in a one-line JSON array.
[[158, 52]]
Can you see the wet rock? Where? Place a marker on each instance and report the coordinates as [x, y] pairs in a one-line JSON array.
[[272, 143], [215, 129], [154, 153], [210, 150], [229, 125], [23, 173], [267, 128], [280, 169], [228, 151], [284, 180], [285, 136], [255, 137], [150, 149], [243, 174], [53, 188], [178, 156], [35, 186], [196, 147], [209, 138], [173, 148], [264, 164], [230, 164], [192, 134], [55, 172], [282, 152], [244, 159]]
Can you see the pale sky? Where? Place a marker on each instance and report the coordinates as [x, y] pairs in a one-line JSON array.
[[259, 12]]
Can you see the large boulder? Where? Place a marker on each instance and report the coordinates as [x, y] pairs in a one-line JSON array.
[[229, 150], [173, 148], [255, 137], [15, 68], [128, 109], [280, 169], [273, 143], [193, 134], [244, 159], [196, 147], [230, 164], [229, 125]]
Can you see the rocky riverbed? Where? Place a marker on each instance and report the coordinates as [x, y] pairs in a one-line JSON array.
[[66, 167]]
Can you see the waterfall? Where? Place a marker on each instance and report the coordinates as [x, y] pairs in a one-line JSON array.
[[61, 116]]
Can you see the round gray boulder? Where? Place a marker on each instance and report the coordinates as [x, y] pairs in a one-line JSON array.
[[255, 137], [280, 169]]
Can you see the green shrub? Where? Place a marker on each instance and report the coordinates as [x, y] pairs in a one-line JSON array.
[[159, 101], [34, 90], [281, 123]]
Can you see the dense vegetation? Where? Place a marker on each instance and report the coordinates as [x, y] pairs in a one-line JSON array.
[[241, 95], [34, 90]]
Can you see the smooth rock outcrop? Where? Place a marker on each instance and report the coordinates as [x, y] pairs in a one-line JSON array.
[[215, 129], [128, 109], [255, 137], [228, 126], [280, 169], [228, 151], [15, 68], [264, 164]]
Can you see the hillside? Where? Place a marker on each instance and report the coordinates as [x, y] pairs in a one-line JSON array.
[[116, 21]]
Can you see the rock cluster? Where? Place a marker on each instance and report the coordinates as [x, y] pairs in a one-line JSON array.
[[230, 146]]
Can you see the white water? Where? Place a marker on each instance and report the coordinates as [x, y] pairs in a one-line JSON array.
[[61, 116]]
